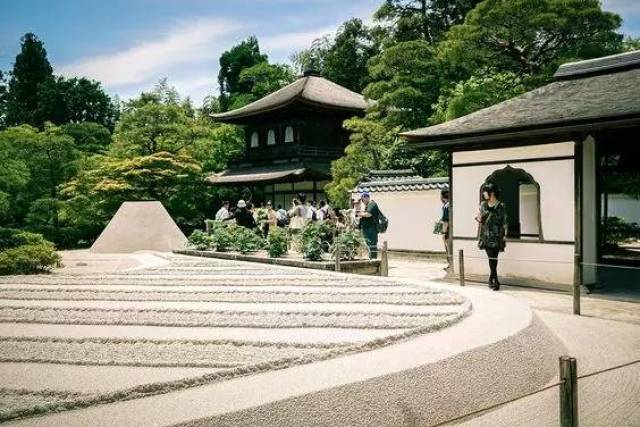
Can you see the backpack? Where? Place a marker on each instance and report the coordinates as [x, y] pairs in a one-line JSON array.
[[383, 222]]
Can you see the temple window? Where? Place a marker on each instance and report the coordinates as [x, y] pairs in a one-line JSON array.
[[271, 137], [288, 134], [255, 140]]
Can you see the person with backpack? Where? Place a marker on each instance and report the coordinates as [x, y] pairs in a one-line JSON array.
[[372, 222]]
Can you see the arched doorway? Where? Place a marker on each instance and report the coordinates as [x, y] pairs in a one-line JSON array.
[[521, 196]]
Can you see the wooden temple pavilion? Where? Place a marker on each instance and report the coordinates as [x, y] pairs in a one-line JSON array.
[[291, 137], [559, 154]]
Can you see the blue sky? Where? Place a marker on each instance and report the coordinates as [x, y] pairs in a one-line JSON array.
[[129, 45]]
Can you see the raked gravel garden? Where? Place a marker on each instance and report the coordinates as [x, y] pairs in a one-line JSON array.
[[74, 340]]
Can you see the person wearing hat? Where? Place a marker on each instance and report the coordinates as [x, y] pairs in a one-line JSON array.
[[369, 223], [243, 216]]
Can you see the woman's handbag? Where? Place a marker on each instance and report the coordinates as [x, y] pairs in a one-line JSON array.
[[438, 227]]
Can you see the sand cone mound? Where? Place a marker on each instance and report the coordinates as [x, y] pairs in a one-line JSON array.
[[140, 226]]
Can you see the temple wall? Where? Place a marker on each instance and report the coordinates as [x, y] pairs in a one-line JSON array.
[[549, 259]]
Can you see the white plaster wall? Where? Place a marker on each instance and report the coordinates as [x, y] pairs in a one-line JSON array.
[[560, 149], [545, 262], [552, 263], [412, 215], [555, 178]]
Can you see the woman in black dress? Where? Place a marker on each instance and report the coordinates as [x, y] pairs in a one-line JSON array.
[[492, 218]]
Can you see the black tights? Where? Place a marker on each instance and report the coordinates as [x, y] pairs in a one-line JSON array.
[[492, 253]]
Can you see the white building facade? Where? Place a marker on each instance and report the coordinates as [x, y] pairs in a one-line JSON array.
[[411, 203], [567, 161]]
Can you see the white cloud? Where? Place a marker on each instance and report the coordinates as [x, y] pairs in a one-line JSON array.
[[186, 43]]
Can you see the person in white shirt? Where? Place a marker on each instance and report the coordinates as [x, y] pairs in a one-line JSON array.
[[324, 212], [223, 213]]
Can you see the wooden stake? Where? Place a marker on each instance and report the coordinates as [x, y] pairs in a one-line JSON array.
[[568, 392], [461, 266], [577, 282], [384, 260], [338, 255]]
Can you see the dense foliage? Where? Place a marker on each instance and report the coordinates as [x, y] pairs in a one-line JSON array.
[[277, 242], [25, 253], [70, 154]]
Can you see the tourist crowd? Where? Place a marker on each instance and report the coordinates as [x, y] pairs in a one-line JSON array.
[[364, 214]]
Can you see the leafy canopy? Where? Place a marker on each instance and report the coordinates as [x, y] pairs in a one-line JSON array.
[[533, 37], [232, 62], [406, 20]]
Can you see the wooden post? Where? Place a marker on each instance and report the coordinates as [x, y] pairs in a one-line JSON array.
[[577, 188], [461, 266], [338, 255], [577, 282], [384, 260], [568, 392], [207, 228]]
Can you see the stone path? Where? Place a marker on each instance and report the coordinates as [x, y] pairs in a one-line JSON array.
[[100, 331], [607, 334]]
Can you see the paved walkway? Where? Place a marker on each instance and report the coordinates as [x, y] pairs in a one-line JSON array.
[[607, 334]]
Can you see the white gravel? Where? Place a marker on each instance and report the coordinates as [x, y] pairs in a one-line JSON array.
[[207, 320]]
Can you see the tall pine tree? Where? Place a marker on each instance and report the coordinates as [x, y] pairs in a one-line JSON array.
[[30, 70]]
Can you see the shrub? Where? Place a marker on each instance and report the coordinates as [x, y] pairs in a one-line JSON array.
[[350, 243], [200, 240], [276, 242], [22, 252], [620, 232], [311, 242], [221, 237], [213, 224], [246, 240]]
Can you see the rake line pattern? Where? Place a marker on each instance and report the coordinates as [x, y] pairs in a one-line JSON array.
[[208, 281]]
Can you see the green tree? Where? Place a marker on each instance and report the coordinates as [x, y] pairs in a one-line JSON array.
[[476, 93], [629, 44], [173, 179], [369, 148], [3, 100], [261, 80], [232, 62], [532, 37], [14, 173], [89, 137], [38, 163], [405, 83], [75, 100], [406, 20], [30, 69], [342, 60], [160, 121]]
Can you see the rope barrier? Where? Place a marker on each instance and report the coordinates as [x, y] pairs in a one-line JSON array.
[[487, 408], [613, 368], [497, 405], [544, 261]]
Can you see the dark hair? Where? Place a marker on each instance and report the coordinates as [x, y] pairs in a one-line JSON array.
[[491, 188], [302, 197], [279, 206], [249, 206], [226, 202], [322, 203], [445, 194]]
